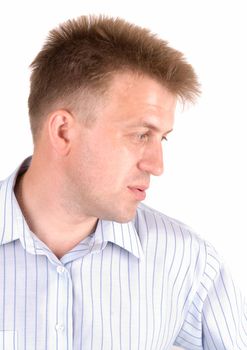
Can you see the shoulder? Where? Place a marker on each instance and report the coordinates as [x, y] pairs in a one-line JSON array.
[[152, 219], [177, 239]]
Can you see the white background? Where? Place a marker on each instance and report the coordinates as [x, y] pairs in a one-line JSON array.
[[204, 183]]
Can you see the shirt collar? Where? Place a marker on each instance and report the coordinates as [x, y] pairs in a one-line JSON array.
[[122, 234], [11, 217], [13, 225]]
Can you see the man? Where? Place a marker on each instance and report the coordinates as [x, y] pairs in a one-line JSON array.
[[85, 265]]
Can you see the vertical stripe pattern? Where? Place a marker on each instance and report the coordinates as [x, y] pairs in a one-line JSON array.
[[143, 285]]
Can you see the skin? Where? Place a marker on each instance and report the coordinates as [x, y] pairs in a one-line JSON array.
[[80, 174]]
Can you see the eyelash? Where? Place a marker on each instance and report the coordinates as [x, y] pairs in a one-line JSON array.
[[141, 137]]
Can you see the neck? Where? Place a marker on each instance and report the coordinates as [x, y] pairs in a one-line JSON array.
[[45, 215]]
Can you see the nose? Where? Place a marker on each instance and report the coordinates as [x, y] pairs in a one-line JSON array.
[[152, 160]]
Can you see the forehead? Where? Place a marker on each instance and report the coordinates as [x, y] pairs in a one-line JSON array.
[[133, 98], [134, 86]]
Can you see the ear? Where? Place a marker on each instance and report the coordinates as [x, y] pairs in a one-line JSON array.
[[61, 128]]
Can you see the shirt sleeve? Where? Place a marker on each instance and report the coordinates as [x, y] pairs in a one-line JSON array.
[[217, 316]]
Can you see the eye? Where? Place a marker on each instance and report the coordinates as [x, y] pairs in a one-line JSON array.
[[142, 137], [145, 137]]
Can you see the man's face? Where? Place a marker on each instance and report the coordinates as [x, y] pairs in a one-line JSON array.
[[111, 162]]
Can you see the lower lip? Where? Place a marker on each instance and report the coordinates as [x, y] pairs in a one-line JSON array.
[[139, 195]]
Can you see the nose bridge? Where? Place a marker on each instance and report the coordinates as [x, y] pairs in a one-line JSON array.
[[152, 161], [159, 163]]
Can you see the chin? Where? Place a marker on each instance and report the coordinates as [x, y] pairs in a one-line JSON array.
[[125, 217], [121, 215]]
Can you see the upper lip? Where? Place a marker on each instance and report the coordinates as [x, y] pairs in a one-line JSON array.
[[140, 187]]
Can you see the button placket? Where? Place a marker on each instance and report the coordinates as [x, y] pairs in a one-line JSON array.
[[61, 320]]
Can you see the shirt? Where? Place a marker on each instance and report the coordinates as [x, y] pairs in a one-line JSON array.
[[142, 285]]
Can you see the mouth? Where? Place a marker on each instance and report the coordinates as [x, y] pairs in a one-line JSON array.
[[139, 193]]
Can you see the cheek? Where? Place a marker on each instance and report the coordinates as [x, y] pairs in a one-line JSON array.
[[106, 159], [112, 168], [98, 162]]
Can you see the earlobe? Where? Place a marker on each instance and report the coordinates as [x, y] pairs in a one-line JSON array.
[[60, 124]]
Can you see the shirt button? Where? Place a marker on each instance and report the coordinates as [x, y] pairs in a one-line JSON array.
[[60, 269], [59, 327]]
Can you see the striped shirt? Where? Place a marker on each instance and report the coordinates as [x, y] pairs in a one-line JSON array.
[[142, 285]]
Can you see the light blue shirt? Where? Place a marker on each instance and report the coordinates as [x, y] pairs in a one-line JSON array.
[[141, 285]]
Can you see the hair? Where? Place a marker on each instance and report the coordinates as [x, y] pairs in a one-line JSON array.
[[81, 56]]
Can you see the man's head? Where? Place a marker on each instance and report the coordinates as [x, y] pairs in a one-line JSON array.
[[103, 96], [80, 57]]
